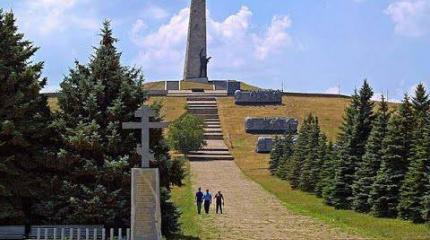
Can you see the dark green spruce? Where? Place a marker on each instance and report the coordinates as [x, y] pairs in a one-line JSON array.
[[368, 168], [96, 154], [385, 192], [352, 140], [26, 137]]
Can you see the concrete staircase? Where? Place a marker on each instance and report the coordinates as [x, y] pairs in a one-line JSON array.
[[207, 109]]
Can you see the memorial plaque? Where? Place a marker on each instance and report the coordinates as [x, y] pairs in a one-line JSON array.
[[145, 204]]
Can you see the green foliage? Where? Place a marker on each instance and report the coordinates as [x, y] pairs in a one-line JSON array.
[[186, 134], [287, 143], [368, 168], [416, 184], [276, 155], [355, 132], [27, 139], [309, 173], [420, 103], [300, 154], [96, 154]]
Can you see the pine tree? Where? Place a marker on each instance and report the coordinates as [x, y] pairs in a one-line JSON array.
[[327, 174], [355, 132], [415, 186], [26, 138], [309, 173], [323, 152], [420, 104], [384, 196], [97, 154], [276, 155], [367, 170], [300, 153], [287, 153]]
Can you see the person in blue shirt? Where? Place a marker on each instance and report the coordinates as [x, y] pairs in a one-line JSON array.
[[199, 200], [207, 201]]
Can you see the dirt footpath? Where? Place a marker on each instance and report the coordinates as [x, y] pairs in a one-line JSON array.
[[250, 211]]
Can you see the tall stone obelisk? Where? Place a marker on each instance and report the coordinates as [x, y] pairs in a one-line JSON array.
[[196, 59]]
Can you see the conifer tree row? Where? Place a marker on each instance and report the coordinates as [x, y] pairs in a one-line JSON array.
[[380, 163]]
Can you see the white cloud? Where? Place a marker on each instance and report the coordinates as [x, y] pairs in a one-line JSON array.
[[333, 90], [276, 37], [411, 17], [156, 12], [232, 43], [47, 16]]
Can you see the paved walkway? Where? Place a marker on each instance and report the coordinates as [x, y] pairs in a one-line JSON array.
[[250, 211]]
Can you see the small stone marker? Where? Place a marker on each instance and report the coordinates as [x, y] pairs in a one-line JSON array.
[[266, 97], [271, 125], [145, 183], [264, 144]]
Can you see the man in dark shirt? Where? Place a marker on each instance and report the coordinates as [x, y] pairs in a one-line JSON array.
[[219, 202], [199, 200]]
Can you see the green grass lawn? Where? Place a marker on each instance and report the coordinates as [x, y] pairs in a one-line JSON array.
[[329, 111], [193, 226]]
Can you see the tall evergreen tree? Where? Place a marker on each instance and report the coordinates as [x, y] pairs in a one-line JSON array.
[[327, 174], [26, 138], [416, 184], [384, 196], [367, 170], [276, 155], [355, 132], [287, 153], [97, 154], [309, 174], [299, 156], [420, 103], [323, 157]]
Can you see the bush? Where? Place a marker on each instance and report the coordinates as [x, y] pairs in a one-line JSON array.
[[186, 134]]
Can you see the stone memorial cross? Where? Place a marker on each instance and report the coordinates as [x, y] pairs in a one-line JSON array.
[[144, 113]]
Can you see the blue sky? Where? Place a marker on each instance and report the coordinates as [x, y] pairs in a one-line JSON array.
[[310, 45]]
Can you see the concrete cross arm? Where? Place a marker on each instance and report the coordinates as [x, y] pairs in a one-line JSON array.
[[158, 124], [132, 125]]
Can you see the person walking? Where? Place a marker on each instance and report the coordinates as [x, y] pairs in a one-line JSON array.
[[199, 200], [207, 201], [219, 202]]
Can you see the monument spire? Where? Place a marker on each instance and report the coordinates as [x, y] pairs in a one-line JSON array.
[[196, 59]]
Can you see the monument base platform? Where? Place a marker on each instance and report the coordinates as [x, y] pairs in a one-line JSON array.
[[199, 80], [145, 204]]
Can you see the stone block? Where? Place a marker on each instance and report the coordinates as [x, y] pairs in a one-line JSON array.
[[268, 97], [277, 125], [264, 145], [145, 204], [232, 87], [172, 85]]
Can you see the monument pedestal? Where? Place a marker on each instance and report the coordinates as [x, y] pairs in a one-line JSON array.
[[145, 204], [199, 80]]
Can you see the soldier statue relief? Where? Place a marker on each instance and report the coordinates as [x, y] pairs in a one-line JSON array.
[[204, 60]]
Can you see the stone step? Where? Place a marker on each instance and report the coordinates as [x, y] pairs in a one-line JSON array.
[[213, 136], [201, 99], [202, 107], [212, 130], [213, 111], [207, 103], [205, 117], [207, 152], [212, 126], [210, 157]]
